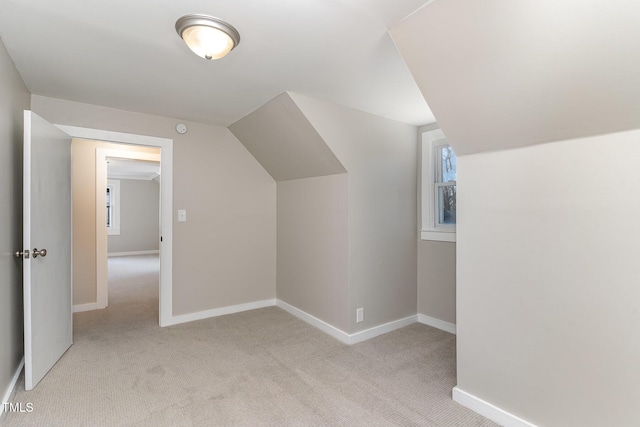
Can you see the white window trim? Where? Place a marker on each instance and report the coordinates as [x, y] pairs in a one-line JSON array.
[[114, 185], [429, 229]]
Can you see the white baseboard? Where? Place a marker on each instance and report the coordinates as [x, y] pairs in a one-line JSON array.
[[190, 317], [437, 323], [11, 389], [85, 307], [133, 253], [314, 321], [367, 334], [340, 334], [488, 410]]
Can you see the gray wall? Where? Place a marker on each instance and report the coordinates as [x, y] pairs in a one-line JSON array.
[[437, 280], [285, 143], [14, 99], [548, 280], [230, 201], [380, 156], [312, 208], [139, 217], [313, 247], [378, 245]]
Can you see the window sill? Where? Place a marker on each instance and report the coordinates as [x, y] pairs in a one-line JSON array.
[[113, 231], [438, 236]]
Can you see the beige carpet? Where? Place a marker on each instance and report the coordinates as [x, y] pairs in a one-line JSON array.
[[258, 368]]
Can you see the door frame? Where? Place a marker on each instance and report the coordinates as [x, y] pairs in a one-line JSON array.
[[166, 205]]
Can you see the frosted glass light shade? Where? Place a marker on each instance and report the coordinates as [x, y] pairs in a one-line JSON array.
[[206, 36]]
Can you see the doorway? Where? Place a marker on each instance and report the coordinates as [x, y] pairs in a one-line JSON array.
[[129, 162], [132, 212], [98, 253]]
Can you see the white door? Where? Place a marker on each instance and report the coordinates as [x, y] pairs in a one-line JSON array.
[[47, 227]]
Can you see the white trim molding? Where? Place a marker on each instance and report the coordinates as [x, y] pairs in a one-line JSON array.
[[437, 323], [85, 307], [107, 135], [11, 389], [222, 311], [166, 210], [367, 334], [439, 236], [133, 177], [133, 253], [339, 334], [488, 410], [314, 321]]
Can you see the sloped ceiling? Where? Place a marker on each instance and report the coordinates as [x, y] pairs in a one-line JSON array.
[[284, 142], [126, 54], [501, 74]]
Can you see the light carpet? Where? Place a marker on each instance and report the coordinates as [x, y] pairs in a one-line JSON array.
[[258, 368]]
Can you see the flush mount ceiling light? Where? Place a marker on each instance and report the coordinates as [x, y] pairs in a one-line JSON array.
[[206, 36]]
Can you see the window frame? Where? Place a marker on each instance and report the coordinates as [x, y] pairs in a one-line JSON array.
[[114, 189], [430, 229]]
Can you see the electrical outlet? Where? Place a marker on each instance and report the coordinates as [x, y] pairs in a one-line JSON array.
[[359, 315]]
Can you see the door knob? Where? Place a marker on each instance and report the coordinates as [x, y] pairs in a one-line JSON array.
[[41, 252], [20, 254]]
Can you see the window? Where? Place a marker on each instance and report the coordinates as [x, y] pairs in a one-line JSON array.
[[439, 166], [113, 207]]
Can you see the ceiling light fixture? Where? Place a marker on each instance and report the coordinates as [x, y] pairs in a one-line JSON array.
[[206, 36]]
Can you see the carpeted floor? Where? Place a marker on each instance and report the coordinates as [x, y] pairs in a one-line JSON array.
[[258, 368]]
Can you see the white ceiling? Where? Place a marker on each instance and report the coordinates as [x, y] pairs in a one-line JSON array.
[[126, 54]]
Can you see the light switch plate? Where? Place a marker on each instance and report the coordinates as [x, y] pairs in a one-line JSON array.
[[182, 215]]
